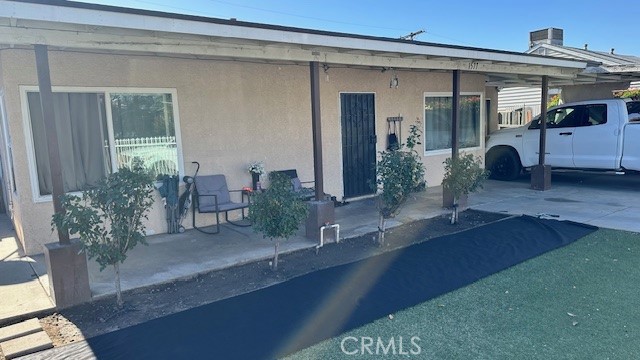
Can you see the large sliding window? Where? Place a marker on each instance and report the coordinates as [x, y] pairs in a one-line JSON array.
[[102, 131], [438, 121], [143, 127]]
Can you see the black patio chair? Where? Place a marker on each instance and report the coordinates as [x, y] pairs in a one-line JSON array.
[[211, 195], [305, 193]]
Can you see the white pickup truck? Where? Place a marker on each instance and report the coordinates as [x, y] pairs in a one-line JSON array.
[[601, 135]]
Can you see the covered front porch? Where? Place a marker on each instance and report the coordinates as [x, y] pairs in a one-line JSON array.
[[169, 257], [605, 200]]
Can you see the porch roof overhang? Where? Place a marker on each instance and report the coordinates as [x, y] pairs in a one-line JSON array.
[[589, 75], [71, 26], [601, 66]]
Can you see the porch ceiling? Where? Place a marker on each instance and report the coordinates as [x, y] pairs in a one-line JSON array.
[[72, 26]]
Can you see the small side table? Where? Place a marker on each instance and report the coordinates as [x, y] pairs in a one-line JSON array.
[[247, 192]]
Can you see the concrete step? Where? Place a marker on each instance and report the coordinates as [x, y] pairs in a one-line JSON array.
[[20, 329], [23, 338]]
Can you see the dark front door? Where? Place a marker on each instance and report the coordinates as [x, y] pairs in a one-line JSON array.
[[358, 143]]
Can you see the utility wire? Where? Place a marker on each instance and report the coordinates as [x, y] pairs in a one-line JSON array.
[[190, 11], [200, 12], [305, 17], [333, 21]]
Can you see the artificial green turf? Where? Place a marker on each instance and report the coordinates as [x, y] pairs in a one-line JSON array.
[[523, 312]]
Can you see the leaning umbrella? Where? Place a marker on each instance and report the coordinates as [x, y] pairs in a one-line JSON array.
[[169, 192]]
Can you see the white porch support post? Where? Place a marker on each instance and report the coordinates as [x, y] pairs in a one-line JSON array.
[[321, 210], [66, 265], [541, 173]]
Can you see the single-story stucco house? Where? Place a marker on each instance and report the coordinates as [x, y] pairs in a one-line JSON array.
[[174, 89]]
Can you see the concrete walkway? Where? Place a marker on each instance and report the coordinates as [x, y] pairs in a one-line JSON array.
[[22, 291], [611, 201], [173, 256]]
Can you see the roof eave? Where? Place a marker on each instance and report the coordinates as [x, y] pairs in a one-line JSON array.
[[105, 16]]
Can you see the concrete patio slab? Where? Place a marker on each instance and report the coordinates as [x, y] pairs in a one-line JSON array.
[[25, 345], [24, 280], [24, 292], [600, 199], [174, 256], [20, 329]]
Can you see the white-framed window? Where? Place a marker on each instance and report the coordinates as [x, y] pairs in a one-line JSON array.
[[438, 122], [101, 130]]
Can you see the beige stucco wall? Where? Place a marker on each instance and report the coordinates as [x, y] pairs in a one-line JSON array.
[[230, 113], [407, 100]]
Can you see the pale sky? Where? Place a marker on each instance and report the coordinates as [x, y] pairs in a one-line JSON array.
[[493, 24]]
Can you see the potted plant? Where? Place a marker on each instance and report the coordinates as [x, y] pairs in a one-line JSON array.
[[462, 175], [399, 172], [109, 217], [256, 169], [277, 212]]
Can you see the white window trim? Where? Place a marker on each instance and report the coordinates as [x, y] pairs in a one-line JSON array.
[[28, 134], [482, 120]]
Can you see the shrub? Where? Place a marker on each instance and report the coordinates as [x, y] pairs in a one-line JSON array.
[[554, 101], [633, 94]]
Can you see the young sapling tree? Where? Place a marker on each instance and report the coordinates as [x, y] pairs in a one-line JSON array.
[[399, 173], [462, 175], [109, 218], [277, 211]]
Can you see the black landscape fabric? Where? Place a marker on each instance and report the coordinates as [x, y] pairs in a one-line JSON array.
[[289, 316]]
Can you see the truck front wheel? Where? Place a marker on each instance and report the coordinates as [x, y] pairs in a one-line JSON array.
[[504, 164]]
